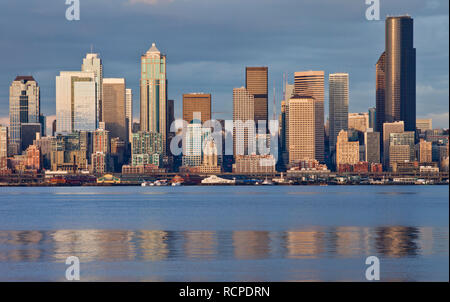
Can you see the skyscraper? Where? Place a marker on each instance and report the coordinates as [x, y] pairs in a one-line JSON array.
[[153, 93], [24, 107], [400, 101], [311, 83], [196, 102], [195, 138], [114, 107], [301, 126], [256, 82], [93, 63], [338, 110], [76, 101], [244, 128], [372, 146], [380, 74], [129, 112]]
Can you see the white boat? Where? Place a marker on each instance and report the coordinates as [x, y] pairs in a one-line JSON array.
[[267, 182], [146, 184], [176, 184], [214, 179]]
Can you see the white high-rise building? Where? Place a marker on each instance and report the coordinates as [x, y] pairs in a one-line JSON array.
[[301, 121], [93, 63], [244, 128], [129, 112], [338, 106], [76, 101], [194, 142]]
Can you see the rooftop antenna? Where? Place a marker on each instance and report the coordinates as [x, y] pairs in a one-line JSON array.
[[92, 48]]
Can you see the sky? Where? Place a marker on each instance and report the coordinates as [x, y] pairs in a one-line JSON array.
[[208, 44]]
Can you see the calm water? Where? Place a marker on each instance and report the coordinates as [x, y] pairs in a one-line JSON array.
[[276, 233]]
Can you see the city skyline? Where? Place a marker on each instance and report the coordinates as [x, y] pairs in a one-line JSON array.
[[219, 77]]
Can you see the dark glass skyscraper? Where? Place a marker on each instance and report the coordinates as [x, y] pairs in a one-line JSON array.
[[256, 82], [380, 85], [400, 73]]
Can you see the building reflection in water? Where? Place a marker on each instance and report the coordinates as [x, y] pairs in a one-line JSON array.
[[397, 241], [200, 244], [251, 244], [157, 245], [92, 245], [20, 245], [350, 241], [305, 244], [153, 245]]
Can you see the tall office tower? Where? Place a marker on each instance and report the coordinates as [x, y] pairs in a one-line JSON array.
[[380, 87], [256, 82], [196, 102], [400, 98], [358, 121], [129, 112], [311, 83], [154, 93], [195, 138], [372, 118], [76, 101], [93, 63], [301, 124], [3, 141], [338, 106], [114, 107], [425, 151], [244, 127], [347, 152], [372, 146], [424, 124], [388, 128], [24, 107]]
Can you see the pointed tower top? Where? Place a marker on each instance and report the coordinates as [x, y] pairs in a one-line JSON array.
[[153, 48]]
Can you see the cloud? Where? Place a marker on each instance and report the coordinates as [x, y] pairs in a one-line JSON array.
[[440, 120]]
